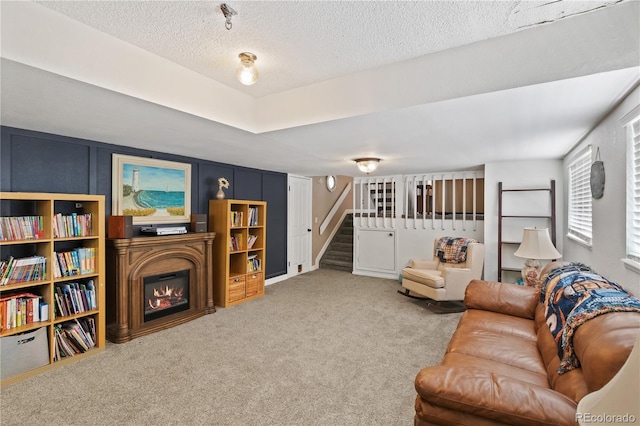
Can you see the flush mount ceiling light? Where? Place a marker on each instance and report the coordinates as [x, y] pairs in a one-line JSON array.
[[367, 165], [247, 72], [228, 13]]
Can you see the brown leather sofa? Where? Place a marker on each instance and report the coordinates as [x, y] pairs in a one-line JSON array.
[[500, 365]]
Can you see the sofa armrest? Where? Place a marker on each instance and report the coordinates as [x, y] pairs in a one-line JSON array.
[[504, 298], [492, 396]]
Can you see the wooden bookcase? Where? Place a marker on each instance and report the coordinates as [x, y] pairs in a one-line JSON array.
[[238, 250], [45, 207]]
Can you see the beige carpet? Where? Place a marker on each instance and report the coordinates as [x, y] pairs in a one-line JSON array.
[[323, 348]]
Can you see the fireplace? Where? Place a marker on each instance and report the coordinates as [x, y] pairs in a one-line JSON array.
[[154, 283], [165, 294]]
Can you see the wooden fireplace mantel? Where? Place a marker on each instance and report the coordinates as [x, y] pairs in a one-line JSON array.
[[129, 260]]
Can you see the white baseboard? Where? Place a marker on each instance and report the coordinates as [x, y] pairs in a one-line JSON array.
[[388, 275], [276, 279]]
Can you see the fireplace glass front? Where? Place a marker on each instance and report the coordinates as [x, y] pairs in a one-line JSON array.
[[165, 294]]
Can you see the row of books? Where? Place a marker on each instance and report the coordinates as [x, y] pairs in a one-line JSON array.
[[78, 261], [75, 298], [253, 263], [21, 309], [18, 270], [74, 337], [253, 216], [235, 218], [71, 225], [235, 242], [251, 241], [14, 228]]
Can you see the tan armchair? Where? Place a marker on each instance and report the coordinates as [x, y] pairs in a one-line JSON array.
[[443, 281]]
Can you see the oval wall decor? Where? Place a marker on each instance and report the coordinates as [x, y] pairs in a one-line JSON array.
[[597, 177]]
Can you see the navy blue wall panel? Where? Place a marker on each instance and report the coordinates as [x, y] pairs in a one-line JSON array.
[[41, 165], [40, 162], [248, 185], [210, 173], [274, 189]]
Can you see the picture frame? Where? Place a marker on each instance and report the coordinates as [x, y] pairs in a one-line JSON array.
[[151, 191]]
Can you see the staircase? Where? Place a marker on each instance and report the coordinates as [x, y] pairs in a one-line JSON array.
[[339, 254]]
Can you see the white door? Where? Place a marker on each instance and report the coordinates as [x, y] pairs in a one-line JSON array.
[[299, 228]]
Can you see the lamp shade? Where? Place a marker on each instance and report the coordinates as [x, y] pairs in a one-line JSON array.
[[536, 244]]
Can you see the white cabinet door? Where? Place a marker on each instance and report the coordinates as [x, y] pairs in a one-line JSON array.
[[376, 250]]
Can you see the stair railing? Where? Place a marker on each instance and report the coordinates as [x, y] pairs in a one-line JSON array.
[[335, 208]]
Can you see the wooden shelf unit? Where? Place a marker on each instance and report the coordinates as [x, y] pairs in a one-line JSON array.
[[234, 279], [549, 219], [47, 205]]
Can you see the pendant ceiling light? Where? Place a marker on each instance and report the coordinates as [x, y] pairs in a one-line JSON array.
[[367, 165], [247, 72]]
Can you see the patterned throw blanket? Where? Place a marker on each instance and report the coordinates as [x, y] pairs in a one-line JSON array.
[[453, 249], [572, 295]]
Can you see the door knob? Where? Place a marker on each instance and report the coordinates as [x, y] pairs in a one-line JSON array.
[[308, 229]]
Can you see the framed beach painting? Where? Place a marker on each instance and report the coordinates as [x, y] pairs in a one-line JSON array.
[[152, 191]]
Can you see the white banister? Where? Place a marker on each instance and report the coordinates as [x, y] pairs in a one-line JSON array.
[[335, 208]]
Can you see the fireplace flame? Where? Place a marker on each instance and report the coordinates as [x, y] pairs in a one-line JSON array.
[[165, 298]]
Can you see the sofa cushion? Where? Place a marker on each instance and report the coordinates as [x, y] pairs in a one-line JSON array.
[[491, 345], [504, 298], [457, 359], [505, 324], [485, 394], [424, 264]]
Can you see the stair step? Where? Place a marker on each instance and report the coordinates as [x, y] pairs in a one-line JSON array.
[[337, 246], [336, 264], [342, 238], [338, 255]]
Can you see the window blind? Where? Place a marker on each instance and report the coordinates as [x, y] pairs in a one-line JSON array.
[[633, 191], [580, 197]]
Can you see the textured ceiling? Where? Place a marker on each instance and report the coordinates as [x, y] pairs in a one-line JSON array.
[[427, 86], [302, 42]]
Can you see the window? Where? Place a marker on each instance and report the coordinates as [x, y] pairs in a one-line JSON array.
[[633, 190], [580, 198]]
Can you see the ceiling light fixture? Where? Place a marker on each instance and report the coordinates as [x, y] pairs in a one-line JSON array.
[[228, 12], [367, 165], [247, 72]]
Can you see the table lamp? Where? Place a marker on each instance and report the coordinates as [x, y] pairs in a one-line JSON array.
[[536, 244]]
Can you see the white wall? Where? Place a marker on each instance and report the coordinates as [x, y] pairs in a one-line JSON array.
[[609, 233], [518, 175], [418, 243]]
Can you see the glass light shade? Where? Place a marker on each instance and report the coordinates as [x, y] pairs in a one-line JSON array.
[[367, 165], [247, 72]]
